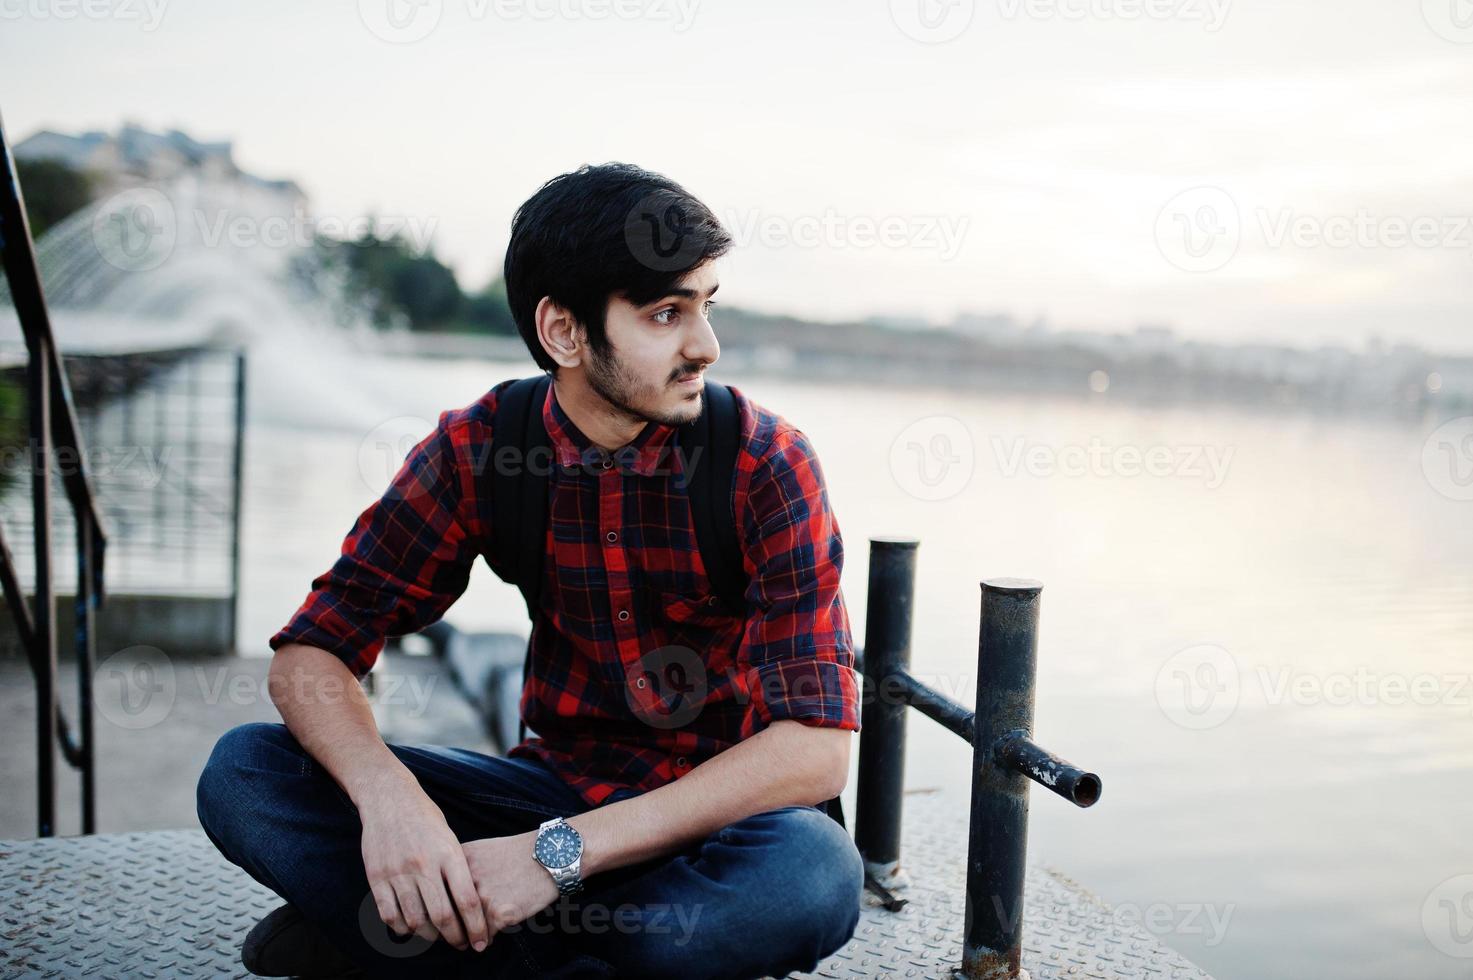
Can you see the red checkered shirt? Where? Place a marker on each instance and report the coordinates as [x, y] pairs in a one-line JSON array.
[[637, 674]]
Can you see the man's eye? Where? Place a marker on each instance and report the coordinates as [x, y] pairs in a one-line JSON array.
[[670, 312]]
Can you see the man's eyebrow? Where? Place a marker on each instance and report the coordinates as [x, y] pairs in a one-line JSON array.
[[688, 293]]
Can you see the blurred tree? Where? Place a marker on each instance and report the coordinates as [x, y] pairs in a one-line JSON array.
[[424, 289], [52, 191], [488, 312]]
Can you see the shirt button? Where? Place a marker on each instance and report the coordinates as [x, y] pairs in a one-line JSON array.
[[639, 683], [623, 614], [608, 462], [711, 601], [612, 536], [680, 763]]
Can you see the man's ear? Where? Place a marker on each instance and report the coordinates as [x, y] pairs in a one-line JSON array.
[[560, 334]]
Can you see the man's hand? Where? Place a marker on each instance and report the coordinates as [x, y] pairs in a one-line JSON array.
[[417, 870], [514, 886]]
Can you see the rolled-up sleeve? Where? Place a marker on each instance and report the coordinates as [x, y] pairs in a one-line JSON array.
[[406, 559], [797, 644]]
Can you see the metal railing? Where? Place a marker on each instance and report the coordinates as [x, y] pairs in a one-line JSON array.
[[1004, 756], [52, 432]]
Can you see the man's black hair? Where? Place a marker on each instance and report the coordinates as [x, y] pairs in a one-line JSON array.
[[603, 231]]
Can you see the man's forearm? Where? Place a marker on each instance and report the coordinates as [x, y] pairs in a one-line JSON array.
[[786, 764], [324, 706]]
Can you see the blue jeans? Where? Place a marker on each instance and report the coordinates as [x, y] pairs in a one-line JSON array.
[[771, 894]]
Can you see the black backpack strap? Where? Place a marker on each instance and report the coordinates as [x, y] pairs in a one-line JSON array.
[[521, 457], [519, 490], [710, 476], [708, 447]]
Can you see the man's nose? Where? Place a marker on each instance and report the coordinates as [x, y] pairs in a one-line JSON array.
[[702, 346]]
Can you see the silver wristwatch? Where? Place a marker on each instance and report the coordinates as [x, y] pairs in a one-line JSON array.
[[559, 849]]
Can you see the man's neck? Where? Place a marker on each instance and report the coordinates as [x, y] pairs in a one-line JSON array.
[[604, 425]]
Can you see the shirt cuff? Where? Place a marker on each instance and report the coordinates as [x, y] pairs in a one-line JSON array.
[[822, 693]]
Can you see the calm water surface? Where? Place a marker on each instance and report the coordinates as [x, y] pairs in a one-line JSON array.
[[1262, 645]]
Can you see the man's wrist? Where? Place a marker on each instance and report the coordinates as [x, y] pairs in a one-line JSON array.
[[376, 784]]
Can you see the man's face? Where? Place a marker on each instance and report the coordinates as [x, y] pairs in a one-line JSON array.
[[654, 347]]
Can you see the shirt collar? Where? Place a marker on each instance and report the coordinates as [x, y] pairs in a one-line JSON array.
[[648, 453]]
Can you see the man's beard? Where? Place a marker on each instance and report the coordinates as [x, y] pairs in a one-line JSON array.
[[608, 377]]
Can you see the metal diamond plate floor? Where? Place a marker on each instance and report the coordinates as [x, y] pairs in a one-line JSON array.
[[167, 905]]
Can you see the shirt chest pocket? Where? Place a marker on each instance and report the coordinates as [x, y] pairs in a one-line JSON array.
[[695, 609]]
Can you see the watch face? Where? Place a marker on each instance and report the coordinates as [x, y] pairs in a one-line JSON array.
[[558, 847]]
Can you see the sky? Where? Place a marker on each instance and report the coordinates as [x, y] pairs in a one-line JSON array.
[[1290, 171]]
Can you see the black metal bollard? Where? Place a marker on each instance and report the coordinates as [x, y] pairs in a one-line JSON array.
[[879, 792], [1003, 760]]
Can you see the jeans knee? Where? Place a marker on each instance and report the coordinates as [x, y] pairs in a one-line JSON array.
[[218, 793], [827, 894]]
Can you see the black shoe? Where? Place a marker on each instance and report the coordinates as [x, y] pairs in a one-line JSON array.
[[285, 944]]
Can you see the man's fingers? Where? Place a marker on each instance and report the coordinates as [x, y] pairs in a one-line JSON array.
[[388, 907], [467, 902], [442, 911], [413, 907]]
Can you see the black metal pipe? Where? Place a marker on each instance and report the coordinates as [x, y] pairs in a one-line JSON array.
[[934, 705], [879, 793], [237, 466], [1007, 651], [44, 621], [1016, 751], [86, 657]]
